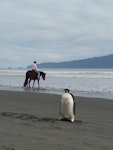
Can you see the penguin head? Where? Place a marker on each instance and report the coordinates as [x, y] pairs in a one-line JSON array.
[[66, 90]]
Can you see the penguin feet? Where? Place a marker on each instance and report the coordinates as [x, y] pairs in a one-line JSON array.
[[72, 120], [66, 119]]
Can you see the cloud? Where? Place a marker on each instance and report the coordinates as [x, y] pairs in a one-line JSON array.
[[50, 30]]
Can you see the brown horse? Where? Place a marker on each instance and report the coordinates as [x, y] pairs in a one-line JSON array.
[[32, 75]]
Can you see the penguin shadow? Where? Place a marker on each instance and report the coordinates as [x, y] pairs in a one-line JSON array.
[[76, 121]]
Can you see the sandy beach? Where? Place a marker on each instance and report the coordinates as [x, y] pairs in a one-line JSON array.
[[31, 121]]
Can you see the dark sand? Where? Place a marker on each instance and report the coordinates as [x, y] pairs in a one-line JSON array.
[[31, 121]]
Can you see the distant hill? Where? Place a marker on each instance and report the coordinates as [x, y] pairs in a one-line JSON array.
[[96, 62]]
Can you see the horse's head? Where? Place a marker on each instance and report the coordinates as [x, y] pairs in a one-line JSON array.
[[43, 75]]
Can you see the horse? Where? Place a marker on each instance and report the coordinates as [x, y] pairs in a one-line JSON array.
[[32, 75]]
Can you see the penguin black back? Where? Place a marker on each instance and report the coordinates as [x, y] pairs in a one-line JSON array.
[[68, 91]]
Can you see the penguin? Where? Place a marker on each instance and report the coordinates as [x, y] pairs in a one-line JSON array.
[[67, 106]]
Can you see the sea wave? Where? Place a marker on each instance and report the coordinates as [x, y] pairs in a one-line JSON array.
[[97, 82], [62, 73]]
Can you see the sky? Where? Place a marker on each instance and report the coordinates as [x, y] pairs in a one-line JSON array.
[[54, 30]]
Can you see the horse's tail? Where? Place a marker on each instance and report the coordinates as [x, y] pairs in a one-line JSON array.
[[26, 81]]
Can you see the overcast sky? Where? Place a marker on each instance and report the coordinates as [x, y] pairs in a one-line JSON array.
[[54, 30]]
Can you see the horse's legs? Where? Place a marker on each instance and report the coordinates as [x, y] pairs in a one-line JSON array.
[[29, 82], [33, 83], [38, 83]]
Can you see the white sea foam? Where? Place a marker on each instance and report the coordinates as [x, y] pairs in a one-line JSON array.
[[89, 82]]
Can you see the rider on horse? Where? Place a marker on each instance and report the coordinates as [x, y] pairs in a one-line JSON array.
[[35, 68]]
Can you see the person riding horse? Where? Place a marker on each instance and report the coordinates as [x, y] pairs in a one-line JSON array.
[[33, 74], [35, 68]]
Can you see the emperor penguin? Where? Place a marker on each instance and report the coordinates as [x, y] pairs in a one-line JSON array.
[[67, 106]]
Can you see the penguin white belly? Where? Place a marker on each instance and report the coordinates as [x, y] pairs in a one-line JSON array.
[[67, 107]]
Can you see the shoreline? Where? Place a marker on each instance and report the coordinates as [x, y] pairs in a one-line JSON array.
[[82, 82], [108, 96], [31, 121]]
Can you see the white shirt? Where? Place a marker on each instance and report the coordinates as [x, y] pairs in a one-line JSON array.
[[34, 67]]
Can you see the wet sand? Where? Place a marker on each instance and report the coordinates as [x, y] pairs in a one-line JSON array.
[[31, 121]]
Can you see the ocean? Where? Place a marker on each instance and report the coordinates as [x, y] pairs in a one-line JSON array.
[[82, 82]]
